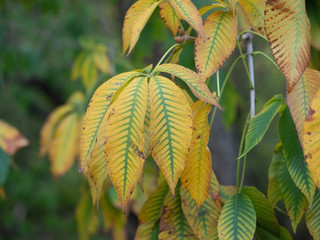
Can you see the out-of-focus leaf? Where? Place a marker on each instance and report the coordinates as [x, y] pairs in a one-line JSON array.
[[313, 217], [89, 72], [10, 138], [170, 17], [254, 12], [237, 219], [211, 51], [4, 166], [288, 30], [296, 164], [171, 128], [196, 175], [102, 62], [260, 123], [77, 65]]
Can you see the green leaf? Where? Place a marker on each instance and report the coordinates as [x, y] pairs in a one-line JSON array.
[[295, 202], [264, 211], [262, 234], [297, 166], [237, 219], [313, 217], [260, 123], [227, 192], [4, 166]]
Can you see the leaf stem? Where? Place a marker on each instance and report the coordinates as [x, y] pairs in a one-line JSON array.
[[244, 63], [218, 83], [163, 57], [267, 57], [253, 32]]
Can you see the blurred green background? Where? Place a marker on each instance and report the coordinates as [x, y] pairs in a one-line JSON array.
[[39, 41]]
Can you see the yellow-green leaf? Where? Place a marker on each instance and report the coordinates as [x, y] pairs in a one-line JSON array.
[[254, 12], [102, 62], [192, 79], [170, 17], [77, 65], [89, 72], [50, 125], [203, 220], [10, 138], [131, 16], [295, 202], [124, 138], [220, 29], [312, 139], [196, 175], [288, 30], [237, 219], [171, 128], [151, 212], [139, 24], [173, 224], [313, 217], [146, 128], [296, 164], [227, 192], [207, 8], [189, 13], [64, 146], [300, 97]]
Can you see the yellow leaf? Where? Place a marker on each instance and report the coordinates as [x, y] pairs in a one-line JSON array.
[[300, 97], [189, 13], [220, 29], [139, 24], [196, 175], [77, 65], [102, 62], [254, 12], [89, 72], [233, 5], [50, 125], [312, 138], [146, 128], [288, 30], [207, 8], [131, 16], [170, 17], [10, 138], [124, 138], [171, 128], [64, 146]]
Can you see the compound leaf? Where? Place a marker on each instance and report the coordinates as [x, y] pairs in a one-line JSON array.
[[170, 17]]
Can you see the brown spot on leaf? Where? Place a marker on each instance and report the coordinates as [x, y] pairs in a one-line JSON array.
[[310, 115]]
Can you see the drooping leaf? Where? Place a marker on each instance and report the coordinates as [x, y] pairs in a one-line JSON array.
[[89, 72], [131, 16], [300, 97], [10, 138], [295, 202], [203, 220], [254, 12], [210, 52], [288, 30], [237, 219], [259, 124], [311, 139], [296, 164], [4, 166], [102, 62], [170, 17], [96, 112], [139, 24], [171, 128], [192, 79], [264, 210], [196, 175], [173, 224], [175, 56], [146, 128], [151, 212], [124, 138], [64, 146], [274, 192], [313, 217], [227, 192], [77, 65], [189, 13], [284, 234]]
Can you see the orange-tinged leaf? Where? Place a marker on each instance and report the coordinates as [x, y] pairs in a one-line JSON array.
[[102, 62], [171, 128], [124, 138], [50, 125], [210, 53], [139, 24], [131, 16], [254, 12], [170, 17], [288, 30], [312, 139], [196, 175], [192, 79], [203, 220], [10, 138], [64, 146], [300, 97], [189, 13]]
